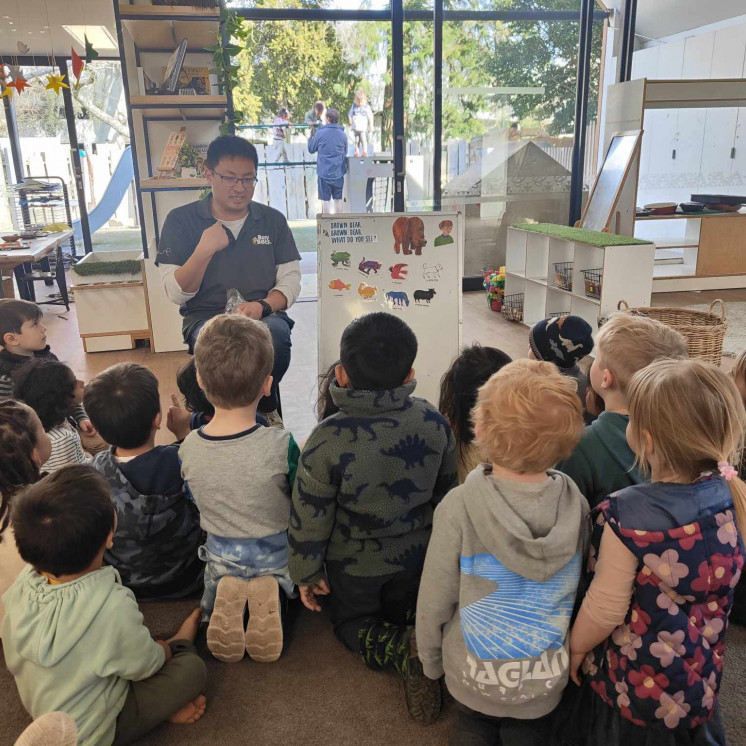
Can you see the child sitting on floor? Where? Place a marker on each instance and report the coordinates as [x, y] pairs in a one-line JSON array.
[[102, 668], [241, 476], [368, 480], [504, 563], [667, 555], [24, 447], [52, 390], [23, 336], [603, 462], [158, 533], [563, 341], [458, 395], [197, 410]]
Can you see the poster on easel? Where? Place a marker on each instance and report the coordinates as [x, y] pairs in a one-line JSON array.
[[406, 264]]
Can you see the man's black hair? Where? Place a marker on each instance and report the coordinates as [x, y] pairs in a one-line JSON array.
[[230, 146], [332, 116], [377, 351], [48, 387], [61, 523], [122, 402], [13, 314], [194, 396]]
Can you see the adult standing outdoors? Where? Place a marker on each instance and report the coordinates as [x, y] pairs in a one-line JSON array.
[[330, 142], [225, 242]]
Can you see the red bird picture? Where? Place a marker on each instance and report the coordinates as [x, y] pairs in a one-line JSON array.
[[398, 272]]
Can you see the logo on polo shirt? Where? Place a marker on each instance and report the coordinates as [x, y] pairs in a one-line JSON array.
[[262, 240]]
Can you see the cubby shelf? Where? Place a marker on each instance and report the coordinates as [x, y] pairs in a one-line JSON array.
[[627, 274]]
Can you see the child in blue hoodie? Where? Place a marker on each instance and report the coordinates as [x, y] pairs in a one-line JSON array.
[[73, 636]]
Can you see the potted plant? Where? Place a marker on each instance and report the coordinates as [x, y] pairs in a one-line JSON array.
[[187, 160]]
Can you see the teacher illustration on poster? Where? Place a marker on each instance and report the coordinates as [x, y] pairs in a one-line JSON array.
[[227, 244]]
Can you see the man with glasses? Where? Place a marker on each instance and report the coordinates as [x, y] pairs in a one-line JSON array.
[[226, 243]]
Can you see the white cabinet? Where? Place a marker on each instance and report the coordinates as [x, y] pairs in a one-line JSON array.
[[531, 268]]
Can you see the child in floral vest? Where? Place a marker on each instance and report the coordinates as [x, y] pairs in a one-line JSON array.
[[667, 555]]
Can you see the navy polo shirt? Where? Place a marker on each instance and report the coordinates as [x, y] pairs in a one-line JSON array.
[[247, 264]]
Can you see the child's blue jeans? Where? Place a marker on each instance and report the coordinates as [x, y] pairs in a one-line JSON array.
[[243, 558]]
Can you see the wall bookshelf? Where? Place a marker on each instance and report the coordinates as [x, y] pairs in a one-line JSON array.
[[148, 34]]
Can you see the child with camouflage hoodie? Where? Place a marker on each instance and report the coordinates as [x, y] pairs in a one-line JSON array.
[[368, 480], [504, 563]]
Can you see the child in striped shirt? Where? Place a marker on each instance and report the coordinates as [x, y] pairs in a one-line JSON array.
[[52, 390]]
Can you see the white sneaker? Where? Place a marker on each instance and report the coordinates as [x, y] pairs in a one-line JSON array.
[[273, 418]]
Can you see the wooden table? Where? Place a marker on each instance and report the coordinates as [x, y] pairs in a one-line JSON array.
[[12, 259]]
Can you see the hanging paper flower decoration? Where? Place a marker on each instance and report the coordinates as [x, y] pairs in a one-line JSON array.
[[6, 92], [19, 84], [78, 67], [90, 52], [15, 71], [56, 83], [22, 48]]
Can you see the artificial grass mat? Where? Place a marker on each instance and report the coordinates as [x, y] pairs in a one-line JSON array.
[[581, 235]]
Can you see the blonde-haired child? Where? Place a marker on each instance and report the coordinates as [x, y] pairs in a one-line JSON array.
[[360, 117], [603, 462], [504, 561], [651, 630]]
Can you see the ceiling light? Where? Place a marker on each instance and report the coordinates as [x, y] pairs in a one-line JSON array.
[[99, 36]]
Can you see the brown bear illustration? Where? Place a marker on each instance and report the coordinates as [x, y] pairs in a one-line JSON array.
[[409, 233]]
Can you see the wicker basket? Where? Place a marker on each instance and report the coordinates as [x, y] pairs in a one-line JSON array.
[[704, 331]]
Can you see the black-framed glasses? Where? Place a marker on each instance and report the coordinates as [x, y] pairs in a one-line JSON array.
[[231, 181]]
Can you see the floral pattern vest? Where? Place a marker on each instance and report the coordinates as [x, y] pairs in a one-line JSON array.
[[665, 662]]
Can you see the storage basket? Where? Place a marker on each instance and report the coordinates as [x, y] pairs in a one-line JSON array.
[[704, 331], [563, 275], [593, 280], [513, 307]]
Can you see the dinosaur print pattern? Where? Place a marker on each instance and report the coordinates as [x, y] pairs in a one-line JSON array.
[[412, 450]]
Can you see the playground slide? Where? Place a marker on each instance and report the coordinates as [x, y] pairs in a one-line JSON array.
[[118, 186]]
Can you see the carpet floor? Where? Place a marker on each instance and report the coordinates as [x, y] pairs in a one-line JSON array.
[[320, 694]]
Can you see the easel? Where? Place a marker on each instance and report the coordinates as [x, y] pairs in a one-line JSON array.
[[171, 153]]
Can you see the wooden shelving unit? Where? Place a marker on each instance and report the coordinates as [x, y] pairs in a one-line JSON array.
[[147, 35]]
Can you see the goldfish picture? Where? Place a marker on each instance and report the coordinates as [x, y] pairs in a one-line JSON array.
[[338, 285]]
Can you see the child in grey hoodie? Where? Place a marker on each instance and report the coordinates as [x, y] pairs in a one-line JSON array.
[[504, 561]]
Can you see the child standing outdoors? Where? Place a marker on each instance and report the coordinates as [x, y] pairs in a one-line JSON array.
[[24, 447], [504, 562], [73, 636], [360, 117], [369, 478], [458, 395], [667, 556], [158, 534], [603, 462], [53, 391], [241, 476]]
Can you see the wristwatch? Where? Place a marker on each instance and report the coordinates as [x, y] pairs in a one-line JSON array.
[[266, 308]]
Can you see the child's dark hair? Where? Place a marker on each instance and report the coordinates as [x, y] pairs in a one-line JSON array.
[[13, 314], [377, 351], [62, 522], [325, 406], [48, 387], [194, 397], [460, 384], [122, 402], [17, 466]]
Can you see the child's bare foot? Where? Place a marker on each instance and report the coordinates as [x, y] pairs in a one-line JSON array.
[[189, 628], [190, 712]]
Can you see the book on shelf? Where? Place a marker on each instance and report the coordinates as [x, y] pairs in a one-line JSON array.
[[193, 81], [147, 86]]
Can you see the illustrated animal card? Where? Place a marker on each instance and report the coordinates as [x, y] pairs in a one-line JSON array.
[[405, 264]]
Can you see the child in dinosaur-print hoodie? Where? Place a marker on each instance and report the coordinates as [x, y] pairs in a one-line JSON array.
[[368, 480]]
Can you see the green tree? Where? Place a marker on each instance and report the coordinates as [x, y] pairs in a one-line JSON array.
[[544, 54]]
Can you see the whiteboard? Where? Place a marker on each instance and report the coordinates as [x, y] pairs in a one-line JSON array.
[[426, 292], [609, 182]]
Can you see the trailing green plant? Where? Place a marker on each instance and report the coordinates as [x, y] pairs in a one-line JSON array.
[[225, 67], [120, 267], [187, 156]]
